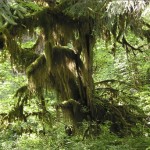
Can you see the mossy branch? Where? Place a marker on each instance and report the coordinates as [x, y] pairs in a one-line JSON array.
[[40, 61]]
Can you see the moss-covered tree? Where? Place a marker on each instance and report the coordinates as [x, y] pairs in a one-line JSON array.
[[61, 58]]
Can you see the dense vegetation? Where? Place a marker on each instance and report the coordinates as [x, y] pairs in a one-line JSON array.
[[74, 74]]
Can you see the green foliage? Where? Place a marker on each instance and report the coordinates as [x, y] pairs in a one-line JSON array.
[[146, 14], [9, 83], [6, 15], [103, 68], [121, 7], [32, 6], [11, 11], [117, 102], [56, 139]]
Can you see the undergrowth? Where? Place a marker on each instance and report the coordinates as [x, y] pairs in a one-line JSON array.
[[56, 139]]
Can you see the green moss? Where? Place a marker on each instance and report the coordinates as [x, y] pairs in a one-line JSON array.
[[59, 68], [37, 64]]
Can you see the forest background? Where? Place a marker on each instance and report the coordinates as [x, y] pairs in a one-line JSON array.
[[74, 74]]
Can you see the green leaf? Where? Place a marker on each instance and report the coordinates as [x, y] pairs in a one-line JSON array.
[[8, 19], [32, 6], [20, 14]]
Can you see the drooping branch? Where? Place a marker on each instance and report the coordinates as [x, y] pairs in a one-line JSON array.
[[125, 43], [19, 56]]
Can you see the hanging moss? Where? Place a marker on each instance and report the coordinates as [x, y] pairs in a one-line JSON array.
[[38, 74], [20, 57], [23, 94], [61, 55], [72, 110], [40, 61], [27, 57], [48, 54]]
